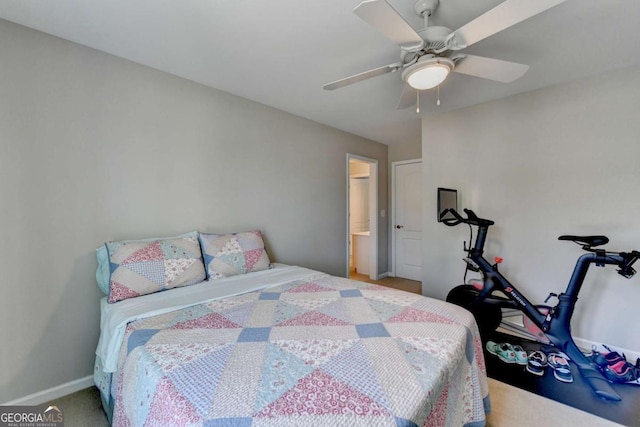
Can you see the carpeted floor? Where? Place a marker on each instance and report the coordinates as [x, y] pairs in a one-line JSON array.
[[510, 407], [82, 409]]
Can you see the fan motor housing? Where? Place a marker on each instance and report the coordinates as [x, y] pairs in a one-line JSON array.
[[435, 35]]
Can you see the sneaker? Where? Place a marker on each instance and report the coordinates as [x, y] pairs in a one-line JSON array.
[[623, 372], [536, 363], [520, 355], [504, 351], [561, 368], [605, 359]]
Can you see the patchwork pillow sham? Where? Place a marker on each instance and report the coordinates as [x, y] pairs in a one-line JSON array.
[[103, 272], [140, 267], [232, 254]]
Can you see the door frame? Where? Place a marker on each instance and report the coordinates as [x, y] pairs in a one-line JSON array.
[[392, 268], [373, 214]]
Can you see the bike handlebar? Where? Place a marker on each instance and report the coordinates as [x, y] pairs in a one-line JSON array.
[[471, 219], [626, 268], [628, 258]]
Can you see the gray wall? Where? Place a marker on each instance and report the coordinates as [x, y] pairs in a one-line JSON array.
[[405, 151], [562, 160], [96, 148]]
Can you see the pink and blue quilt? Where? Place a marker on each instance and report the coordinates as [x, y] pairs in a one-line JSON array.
[[323, 351]]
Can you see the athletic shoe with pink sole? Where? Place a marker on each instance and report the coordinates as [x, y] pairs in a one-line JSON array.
[[604, 359], [623, 372]]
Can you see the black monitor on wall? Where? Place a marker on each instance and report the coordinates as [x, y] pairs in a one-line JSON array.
[[447, 199]]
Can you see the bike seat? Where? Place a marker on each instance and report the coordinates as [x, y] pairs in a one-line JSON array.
[[590, 241]]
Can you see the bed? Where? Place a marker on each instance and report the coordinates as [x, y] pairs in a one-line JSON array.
[[289, 346]]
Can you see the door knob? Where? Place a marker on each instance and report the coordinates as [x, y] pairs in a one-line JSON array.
[[399, 226]]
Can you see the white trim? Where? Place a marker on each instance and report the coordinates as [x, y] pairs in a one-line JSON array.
[[373, 213], [359, 175], [392, 267], [585, 345], [373, 220], [53, 392]]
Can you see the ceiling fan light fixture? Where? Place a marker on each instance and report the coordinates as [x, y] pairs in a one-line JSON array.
[[428, 73]]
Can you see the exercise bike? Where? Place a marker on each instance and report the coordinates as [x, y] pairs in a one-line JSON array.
[[546, 324]]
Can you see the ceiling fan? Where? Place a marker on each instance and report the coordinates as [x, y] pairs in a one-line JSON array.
[[430, 54]]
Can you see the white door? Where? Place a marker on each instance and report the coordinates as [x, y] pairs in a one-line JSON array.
[[408, 220]]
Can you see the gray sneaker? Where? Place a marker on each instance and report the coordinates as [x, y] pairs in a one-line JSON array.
[[537, 362]]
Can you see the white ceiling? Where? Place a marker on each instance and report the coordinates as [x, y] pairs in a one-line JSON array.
[[281, 52]]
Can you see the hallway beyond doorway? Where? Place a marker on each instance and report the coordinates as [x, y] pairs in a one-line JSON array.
[[391, 282]]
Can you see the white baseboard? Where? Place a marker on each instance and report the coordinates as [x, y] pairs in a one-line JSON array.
[[383, 275], [54, 392], [586, 345]]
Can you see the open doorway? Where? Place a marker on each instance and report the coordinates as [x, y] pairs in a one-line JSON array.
[[362, 220]]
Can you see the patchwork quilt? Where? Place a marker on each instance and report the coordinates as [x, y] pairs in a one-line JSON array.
[[322, 351]]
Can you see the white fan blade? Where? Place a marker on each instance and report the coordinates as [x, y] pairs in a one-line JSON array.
[[501, 17], [489, 68], [407, 98], [384, 18], [362, 76]]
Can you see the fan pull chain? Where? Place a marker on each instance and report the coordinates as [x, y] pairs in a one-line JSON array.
[[417, 101], [438, 102]]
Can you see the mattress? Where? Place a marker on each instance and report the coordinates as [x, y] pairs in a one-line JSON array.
[[290, 346]]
